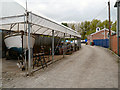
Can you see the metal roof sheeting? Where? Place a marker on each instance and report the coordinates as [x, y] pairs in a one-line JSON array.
[[10, 8], [40, 25]]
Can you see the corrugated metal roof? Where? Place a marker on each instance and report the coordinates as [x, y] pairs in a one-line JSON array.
[[40, 25], [10, 8]]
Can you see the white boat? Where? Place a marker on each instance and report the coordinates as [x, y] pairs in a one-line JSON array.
[[15, 41]]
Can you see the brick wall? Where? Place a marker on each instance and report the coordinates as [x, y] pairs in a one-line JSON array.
[[114, 44], [98, 35]]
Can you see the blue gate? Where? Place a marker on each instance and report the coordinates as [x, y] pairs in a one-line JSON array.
[[102, 42]]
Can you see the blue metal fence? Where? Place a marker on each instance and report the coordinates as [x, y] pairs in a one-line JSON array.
[[102, 42]]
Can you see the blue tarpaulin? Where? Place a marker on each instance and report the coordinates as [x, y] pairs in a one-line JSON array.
[[102, 42], [85, 40]]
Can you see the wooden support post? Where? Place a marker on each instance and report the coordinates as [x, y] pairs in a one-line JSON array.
[[109, 26], [52, 45]]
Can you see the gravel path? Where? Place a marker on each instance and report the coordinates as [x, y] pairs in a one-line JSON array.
[[90, 67]]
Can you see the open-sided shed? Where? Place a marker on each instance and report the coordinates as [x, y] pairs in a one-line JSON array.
[[14, 17]]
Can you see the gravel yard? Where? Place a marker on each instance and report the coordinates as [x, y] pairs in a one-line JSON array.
[[90, 67]]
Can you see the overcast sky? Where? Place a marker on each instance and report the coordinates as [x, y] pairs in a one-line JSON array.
[[71, 10]]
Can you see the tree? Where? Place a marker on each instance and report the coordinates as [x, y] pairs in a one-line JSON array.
[[94, 24], [114, 26], [105, 24], [88, 27], [73, 27], [65, 24]]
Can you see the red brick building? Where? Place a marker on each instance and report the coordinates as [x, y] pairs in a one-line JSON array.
[[103, 34], [99, 34]]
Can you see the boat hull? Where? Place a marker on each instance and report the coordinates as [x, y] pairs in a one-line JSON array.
[[16, 41]]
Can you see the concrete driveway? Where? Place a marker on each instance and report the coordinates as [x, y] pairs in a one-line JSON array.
[[90, 67]]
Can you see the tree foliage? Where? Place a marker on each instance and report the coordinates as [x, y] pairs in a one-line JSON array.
[[114, 26], [88, 27], [65, 24], [73, 27]]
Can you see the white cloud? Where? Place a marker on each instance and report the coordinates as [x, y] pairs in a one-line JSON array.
[[71, 10]]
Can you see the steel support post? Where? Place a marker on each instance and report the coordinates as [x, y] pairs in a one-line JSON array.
[[52, 45], [80, 42], [64, 46], [70, 43], [29, 51], [1, 58], [74, 43], [24, 44], [1, 45]]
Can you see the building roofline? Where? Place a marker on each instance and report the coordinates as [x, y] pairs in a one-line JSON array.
[[100, 31]]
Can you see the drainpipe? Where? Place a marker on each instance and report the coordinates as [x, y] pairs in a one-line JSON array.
[[118, 26]]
